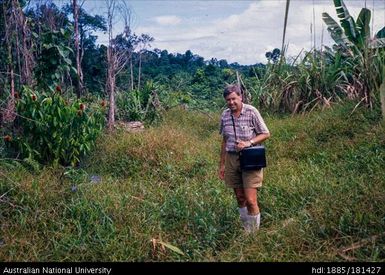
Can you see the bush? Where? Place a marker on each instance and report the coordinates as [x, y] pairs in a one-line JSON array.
[[53, 129], [142, 105]]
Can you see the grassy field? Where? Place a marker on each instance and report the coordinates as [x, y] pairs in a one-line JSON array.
[[159, 198]]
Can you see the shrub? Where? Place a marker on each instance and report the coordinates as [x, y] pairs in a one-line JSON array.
[[142, 105], [53, 129]]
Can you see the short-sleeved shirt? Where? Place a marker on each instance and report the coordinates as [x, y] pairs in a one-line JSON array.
[[248, 125]]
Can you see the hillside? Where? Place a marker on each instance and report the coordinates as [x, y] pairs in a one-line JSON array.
[[155, 195]]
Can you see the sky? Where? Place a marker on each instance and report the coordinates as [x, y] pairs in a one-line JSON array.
[[239, 31]]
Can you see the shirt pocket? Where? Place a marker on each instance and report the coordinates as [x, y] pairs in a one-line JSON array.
[[228, 130], [246, 129]]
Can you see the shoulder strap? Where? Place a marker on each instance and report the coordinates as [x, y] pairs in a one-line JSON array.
[[235, 132]]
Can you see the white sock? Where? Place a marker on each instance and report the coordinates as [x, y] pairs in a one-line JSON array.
[[243, 216], [258, 220], [242, 211], [253, 221]]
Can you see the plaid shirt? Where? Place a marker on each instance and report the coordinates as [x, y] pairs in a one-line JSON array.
[[248, 125]]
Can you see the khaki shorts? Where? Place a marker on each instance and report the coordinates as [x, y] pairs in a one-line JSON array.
[[235, 178]]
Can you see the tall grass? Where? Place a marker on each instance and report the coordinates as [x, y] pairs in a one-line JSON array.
[[159, 198], [320, 78]]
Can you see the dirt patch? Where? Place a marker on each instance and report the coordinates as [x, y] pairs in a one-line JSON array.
[[130, 126]]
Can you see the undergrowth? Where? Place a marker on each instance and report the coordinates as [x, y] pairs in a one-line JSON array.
[[155, 195]]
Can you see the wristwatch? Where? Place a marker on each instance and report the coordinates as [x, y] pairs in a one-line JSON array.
[[251, 142]]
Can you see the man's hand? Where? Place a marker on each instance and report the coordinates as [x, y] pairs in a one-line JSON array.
[[221, 172], [242, 144]]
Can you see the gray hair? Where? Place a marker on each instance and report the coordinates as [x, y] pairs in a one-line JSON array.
[[231, 89]]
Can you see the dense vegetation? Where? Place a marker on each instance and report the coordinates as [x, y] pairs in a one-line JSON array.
[[140, 193], [72, 191]]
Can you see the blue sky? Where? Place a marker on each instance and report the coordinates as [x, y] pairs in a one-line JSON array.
[[238, 31]]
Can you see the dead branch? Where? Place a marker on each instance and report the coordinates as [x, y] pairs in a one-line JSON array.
[[361, 243]]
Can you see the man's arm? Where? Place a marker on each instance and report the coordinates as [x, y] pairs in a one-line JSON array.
[[260, 138], [256, 140]]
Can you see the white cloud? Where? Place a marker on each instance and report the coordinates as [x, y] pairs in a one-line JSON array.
[[167, 20], [245, 36]]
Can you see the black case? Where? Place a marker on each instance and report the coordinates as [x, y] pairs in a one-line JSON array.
[[253, 158]]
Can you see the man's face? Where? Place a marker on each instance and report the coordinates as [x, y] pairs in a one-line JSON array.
[[234, 102]]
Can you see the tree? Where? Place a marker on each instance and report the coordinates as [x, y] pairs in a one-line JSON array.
[[273, 55], [92, 61], [79, 73], [52, 32], [17, 43], [223, 63], [9, 18], [126, 42], [143, 41], [117, 57], [111, 66]]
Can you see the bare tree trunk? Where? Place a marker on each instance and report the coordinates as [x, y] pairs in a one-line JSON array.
[[81, 58], [79, 78], [140, 67], [17, 43], [26, 74], [284, 31], [27, 55], [144, 41], [111, 111], [132, 74], [111, 67], [9, 112], [116, 60]]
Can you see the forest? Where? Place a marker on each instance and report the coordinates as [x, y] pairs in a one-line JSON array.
[[76, 185]]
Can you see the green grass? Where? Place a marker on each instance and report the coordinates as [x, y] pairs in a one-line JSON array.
[[159, 198]]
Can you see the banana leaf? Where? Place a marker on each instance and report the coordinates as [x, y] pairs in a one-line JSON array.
[[363, 28], [347, 21], [335, 30], [381, 33]]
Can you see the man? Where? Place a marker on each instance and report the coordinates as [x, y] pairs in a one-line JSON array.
[[250, 130]]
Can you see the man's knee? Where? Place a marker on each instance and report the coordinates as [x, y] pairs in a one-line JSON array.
[[251, 202], [241, 200]]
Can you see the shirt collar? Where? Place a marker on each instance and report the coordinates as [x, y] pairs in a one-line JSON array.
[[243, 109]]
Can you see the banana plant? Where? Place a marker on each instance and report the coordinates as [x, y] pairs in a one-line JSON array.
[[351, 32]]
